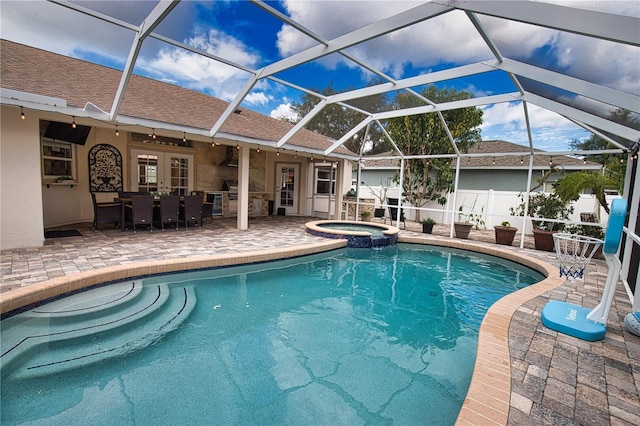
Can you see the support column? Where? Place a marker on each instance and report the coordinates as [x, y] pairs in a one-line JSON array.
[[243, 188]]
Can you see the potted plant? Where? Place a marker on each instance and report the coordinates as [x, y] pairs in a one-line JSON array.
[[381, 195], [505, 233], [364, 215], [545, 206], [463, 226], [427, 225]]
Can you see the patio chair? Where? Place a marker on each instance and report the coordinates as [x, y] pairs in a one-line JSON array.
[[393, 211], [207, 208], [140, 211], [127, 194], [105, 212], [191, 210], [167, 211]]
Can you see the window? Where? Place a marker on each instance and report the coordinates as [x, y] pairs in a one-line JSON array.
[[57, 159], [325, 180]]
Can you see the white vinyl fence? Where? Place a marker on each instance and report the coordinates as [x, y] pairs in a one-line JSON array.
[[491, 207]]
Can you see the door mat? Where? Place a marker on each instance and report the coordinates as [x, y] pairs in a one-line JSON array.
[[62, 234]]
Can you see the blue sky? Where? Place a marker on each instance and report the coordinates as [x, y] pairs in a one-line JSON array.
[[247, 35]]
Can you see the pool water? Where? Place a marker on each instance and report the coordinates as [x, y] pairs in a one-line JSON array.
[[347, 337], [373, 230]]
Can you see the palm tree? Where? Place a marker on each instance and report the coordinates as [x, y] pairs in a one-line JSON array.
[[571, 185]]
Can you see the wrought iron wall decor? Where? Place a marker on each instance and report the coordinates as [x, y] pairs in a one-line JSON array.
[[105, 169]]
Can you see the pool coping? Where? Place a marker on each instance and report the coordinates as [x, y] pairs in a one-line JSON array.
[[313, 225], [489, 394]]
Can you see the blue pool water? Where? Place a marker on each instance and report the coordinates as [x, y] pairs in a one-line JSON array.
[[373, 230], [347, 337]]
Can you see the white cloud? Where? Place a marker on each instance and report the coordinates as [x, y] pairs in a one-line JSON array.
[[550, 131], [57, 29], [284, 110], [257, 98], [448, 39], [201, 73]]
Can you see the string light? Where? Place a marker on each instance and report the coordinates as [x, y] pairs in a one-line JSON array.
[[551, 161], [22, 116], [153, 133], [184, 136], [584, 160], [521, 160], [494, 161], [213, 144], [73, 122], [117, 131], [258, 149], [278, 153], [237, 146], [296, 156]]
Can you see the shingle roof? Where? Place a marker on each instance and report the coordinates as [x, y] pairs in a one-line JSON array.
[[499, 161], [37, 71]]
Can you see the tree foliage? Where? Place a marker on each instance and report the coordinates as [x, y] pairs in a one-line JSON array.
[[615, 169], [570, 186], [335, 120], [428, 179]]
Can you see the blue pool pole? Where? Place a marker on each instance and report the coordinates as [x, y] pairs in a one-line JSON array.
[[578, 321]]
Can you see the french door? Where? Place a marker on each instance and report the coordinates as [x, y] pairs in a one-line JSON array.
[[161, 172], [287, 190]]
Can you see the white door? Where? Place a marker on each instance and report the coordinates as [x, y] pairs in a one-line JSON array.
[[287, 176], [164, 172]]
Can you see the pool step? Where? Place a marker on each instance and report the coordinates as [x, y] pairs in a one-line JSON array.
[[89, 327]]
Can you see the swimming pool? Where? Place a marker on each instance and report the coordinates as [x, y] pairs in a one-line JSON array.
[[349, 336]]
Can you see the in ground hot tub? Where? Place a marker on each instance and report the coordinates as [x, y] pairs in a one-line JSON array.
[[358, 234]]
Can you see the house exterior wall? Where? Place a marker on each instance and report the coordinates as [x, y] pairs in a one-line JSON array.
[[20, 183], [29, 199]]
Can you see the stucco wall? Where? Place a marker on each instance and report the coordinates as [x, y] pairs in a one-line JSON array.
[[20, 183]]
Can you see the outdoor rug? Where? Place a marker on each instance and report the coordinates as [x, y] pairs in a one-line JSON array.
[[62, 233]]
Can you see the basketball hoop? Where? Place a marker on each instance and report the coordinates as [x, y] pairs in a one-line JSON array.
[[574, 253]]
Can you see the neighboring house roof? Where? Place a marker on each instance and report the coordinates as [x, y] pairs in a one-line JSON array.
[[499, 161], [36, 71]]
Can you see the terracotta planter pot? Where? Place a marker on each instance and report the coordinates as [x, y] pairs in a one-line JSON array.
[[543, 240], [462, 230], [505, 234]]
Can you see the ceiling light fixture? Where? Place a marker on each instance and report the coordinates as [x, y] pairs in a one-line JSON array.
[[22, 116], [73, 122], [117, 131]]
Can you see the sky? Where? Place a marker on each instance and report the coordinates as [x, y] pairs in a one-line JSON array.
[[247, 35]]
